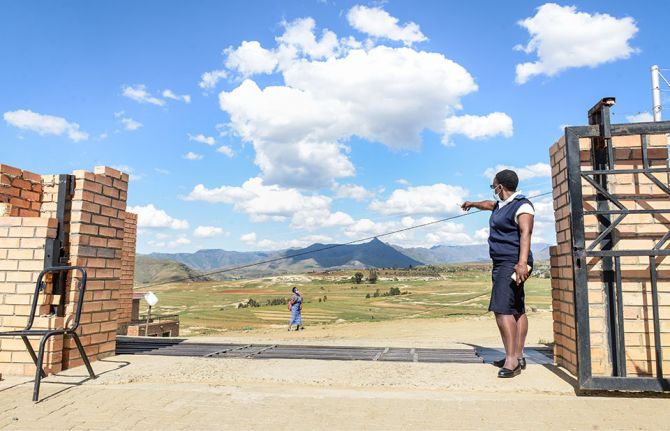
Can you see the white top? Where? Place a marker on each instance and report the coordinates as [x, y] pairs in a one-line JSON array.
[[523, 209]]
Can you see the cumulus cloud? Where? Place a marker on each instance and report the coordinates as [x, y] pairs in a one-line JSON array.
[[207, 231], [193, 156], [478, 127], [170, 245], [564, 38], [641, 117], [249, 238], [537, 170], [377, 22], [208, 80], [438, 233], [434, 199], [482, 235], [140, 94], [262, 203], [130, 124], [44, 124], [225, 149], [351, 191], [209, 140], [148, 216], [169, 94], [250, 58], [334, 89]]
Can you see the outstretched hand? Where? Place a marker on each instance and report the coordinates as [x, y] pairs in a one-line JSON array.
[[467, 205]]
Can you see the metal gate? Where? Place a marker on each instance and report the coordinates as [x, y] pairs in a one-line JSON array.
[[610, 212]]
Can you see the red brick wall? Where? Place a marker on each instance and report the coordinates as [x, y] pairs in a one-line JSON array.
[[22, 189], [127, 272]]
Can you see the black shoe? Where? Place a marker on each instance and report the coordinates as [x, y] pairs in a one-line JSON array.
[[500, 363], [505, 373]]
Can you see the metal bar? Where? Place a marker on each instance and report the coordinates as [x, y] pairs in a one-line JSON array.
[[627, 384], [606, 233], [662, 241], [604, 192], [603, 253], [645, 157], [656, 128], [625, 171], [627, 211], [581, 299], [620, 368], [657, 323], [31, 351]]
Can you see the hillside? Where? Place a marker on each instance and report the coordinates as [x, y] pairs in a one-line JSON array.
[[158, 267], [151, 270]]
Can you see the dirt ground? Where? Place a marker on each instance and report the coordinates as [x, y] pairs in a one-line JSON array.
[[149, 392]]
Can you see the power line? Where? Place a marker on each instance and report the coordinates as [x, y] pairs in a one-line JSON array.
[[277, 259]]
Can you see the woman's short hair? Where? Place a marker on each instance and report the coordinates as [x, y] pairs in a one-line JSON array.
[[508, 179], [294, 289]]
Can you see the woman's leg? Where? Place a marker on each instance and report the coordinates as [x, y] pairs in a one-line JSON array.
[[521, 333], [507, 325]]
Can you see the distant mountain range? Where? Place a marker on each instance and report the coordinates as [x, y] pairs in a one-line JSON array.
[[374, 254]]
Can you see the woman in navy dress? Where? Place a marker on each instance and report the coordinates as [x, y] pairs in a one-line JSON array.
[[510, 230]]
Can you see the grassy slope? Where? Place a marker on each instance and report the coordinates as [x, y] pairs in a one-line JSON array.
[[210, 307]]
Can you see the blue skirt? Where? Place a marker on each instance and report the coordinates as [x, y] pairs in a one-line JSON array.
[[506, 296], [296, 319]]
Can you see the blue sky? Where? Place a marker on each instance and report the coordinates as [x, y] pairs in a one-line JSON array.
[[264, 125]]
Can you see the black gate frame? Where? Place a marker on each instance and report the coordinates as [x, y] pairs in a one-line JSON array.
[[601, 131]]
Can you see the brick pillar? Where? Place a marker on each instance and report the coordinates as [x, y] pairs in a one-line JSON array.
[[127, 272], [22, 241], [637, 231], [96, 239]]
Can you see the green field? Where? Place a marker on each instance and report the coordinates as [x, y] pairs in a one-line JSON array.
[[208, 308]]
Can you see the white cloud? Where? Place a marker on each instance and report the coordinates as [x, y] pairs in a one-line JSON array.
[[102, 137], [44, 124], [478, 127], [377, 22], [192, 156], [250, 58], [225, 149], [149, 216], [262, 203], [435, 199], [207, 231], [298, 129], [209, 140], [170, 245], [641, 117], [299, 38], [564, 38], [439, 233], [482, 235], [169, 94], [208, 80], [351, 191], [268, 244], [249, 238], [537, 170], [402, 182], [130, 124], [162, 171], [140, 94]]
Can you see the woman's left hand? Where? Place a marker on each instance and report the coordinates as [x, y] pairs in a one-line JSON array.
[[521, 270]]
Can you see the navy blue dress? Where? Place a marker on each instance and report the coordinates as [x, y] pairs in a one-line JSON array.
[[504, 247]]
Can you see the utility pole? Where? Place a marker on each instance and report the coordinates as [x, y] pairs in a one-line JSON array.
[[656, 93]]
